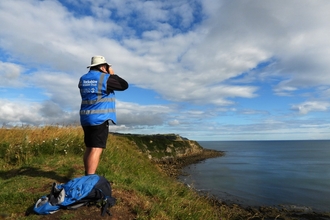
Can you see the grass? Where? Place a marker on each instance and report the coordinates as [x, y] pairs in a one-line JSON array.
[[31, 159]]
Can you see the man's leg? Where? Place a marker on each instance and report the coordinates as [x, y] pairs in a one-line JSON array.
[[91, 159]]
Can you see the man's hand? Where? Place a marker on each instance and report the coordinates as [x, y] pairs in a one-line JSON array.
[[111, 71]]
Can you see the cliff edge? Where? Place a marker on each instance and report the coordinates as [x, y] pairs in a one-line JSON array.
[[171, 152]]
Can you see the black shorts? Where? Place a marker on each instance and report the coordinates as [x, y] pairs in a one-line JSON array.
[[96, 136]]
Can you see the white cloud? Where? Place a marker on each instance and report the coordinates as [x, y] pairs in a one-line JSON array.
[[61, 88], [311, 106], [174, 122], [283, 88], [21, 113], [200, 53], [132, 114], [10, 75]]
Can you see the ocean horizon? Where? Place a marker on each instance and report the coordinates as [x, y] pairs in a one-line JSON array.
[[290, 173]]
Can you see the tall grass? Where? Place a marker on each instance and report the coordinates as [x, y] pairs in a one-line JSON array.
[[33, 158], [19, 146]]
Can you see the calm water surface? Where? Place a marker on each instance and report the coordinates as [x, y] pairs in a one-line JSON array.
[[266, 173]]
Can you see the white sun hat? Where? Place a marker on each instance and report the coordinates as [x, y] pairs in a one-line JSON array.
[[97, 60]]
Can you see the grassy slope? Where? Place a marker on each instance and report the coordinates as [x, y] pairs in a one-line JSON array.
[[31, 159]]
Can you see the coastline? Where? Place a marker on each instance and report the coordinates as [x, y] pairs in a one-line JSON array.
[[173, 168]]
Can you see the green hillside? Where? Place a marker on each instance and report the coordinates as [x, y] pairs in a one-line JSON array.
[[33, 158]]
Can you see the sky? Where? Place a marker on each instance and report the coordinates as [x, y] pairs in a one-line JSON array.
[[202, 69]]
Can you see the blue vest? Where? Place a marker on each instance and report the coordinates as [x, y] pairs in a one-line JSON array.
[[96, 105]]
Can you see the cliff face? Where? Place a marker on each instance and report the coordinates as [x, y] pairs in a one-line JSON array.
[[165, 146], [171, 152]]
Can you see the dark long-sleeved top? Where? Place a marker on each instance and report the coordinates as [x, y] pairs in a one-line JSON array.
[[116, 83]]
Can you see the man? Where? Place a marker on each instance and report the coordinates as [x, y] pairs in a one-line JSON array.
[[98, 108]]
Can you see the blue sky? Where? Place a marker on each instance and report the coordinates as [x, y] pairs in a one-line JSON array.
[[203, 69]]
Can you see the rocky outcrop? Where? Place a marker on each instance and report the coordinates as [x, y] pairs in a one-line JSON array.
[[170, 151], [165, 146]]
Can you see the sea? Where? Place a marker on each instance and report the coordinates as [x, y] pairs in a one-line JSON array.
[[292, 174]]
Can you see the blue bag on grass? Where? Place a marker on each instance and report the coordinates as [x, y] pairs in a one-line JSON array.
[[85, 190]]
